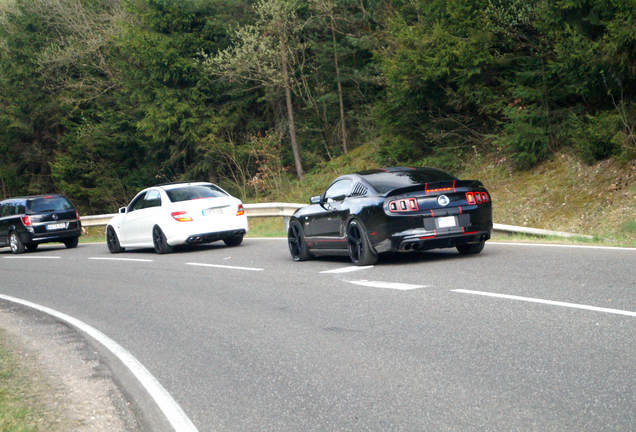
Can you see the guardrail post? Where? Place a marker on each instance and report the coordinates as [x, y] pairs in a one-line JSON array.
[[286, 223]]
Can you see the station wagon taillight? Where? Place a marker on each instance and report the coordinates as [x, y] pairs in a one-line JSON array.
[[240, 211], [404, 205], [26, 220], [181, 216]]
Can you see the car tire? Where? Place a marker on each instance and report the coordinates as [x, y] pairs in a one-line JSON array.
[[296, 242], [360, 251], [71, 243], [16, 245], [31, 246], [234, 240], [159, 241], [112, 241], [470, 248]]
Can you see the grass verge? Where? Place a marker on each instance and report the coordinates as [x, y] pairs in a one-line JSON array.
[[18, 409]]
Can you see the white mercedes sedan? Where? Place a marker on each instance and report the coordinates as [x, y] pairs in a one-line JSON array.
[[168, 215]]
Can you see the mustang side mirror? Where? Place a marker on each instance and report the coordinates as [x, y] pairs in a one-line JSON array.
[[314, 199], [122, 210]]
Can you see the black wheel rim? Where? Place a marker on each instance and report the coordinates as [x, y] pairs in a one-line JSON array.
[[110, 238], [355, 243], [158, 238], [294, 240]]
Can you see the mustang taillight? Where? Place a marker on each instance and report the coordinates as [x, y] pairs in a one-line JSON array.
[[77, 215], [181, 216], [404, 205], [240, 211], [26, 220], [476, 197]]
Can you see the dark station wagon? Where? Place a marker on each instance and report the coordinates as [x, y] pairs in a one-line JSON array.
[[25, 222]]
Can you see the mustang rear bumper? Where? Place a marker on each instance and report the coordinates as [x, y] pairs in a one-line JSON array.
[[421, 233]]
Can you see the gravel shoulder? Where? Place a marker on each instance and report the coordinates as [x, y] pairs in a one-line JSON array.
[[71, 388]]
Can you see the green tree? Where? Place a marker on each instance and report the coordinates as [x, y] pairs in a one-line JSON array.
[[266, 53]]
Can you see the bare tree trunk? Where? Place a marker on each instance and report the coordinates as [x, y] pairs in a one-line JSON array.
[[335, 60], [290, 112]]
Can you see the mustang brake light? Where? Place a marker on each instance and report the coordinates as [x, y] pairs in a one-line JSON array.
[[240, 211], [26, 220], [181, 216], [77, 215], [477, 197], [403, 205]]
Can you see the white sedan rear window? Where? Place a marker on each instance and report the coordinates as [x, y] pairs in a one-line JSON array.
[[187, 193]]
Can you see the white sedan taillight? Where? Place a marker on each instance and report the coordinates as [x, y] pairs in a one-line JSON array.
[[181, 216]]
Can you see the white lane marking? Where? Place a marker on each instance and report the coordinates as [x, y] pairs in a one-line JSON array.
[[120, 259], [33, 257], [170, 408], [225, 266], [548, 302], [388, 285], [265, 238], [563, 246], [347, 269]]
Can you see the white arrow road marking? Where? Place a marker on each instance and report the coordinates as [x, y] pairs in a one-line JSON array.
[[225, 266], [347, 269], [33, 257], [120, 259], [170, 408], [387, 285], [548, 302]]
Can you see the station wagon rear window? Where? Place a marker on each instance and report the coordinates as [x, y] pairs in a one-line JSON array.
[[48, 204], [188, 193]]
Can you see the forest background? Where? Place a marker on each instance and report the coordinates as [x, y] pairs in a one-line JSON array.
[[99, 98]]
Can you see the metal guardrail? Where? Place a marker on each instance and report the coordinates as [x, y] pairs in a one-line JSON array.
[[285, 210]]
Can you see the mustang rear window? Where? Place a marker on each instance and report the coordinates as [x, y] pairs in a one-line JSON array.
[[384, 182], [44, 205], [194, 192]]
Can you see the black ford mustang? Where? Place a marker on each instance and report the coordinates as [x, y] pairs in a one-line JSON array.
[[392, 209]]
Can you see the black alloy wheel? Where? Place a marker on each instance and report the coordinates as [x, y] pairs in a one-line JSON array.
[[296, 241], [71, 243], [159, 241], [470, 248], [233, 241], [31, 246], [16, 245], [360, 250], [112, 241]]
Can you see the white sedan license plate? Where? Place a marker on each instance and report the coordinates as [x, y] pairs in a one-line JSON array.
[[446, 222], [212, 211], [56, 226]]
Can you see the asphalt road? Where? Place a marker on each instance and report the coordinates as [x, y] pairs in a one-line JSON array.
[[275, 345]]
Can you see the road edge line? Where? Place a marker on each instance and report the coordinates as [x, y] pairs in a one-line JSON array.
[[173, 412]]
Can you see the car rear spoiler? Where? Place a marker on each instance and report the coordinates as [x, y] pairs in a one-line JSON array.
[[436, 188]]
